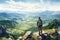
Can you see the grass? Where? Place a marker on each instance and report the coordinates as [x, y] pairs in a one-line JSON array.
[[25, 26]]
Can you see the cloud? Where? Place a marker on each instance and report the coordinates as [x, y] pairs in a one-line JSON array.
[[12, 6], [54, 2], [19, 6], [31, 1]]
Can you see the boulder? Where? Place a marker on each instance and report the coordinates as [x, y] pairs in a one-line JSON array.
[[3, 31], [28, 36]]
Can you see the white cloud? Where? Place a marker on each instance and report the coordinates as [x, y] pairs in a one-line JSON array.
[[28, 7]]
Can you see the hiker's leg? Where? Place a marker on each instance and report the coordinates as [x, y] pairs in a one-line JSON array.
[[39, 30]]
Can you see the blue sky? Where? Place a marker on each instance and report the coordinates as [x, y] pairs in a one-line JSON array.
[[29, 5], [33, 1], [53, 0]]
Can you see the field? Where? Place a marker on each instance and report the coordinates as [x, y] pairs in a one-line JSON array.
[[24, 26]]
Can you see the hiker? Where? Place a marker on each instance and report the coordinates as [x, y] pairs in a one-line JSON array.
[[39, 24]]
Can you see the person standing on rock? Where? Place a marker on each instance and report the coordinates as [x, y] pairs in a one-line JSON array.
[[39, 24]]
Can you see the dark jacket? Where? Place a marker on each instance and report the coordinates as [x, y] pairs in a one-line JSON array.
[[39, 23]]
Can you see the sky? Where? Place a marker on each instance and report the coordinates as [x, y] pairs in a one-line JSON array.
[[29, 5]]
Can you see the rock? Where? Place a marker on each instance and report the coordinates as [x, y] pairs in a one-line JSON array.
[[3, 31], [28, 35], [58, 32], [59, 35], [44, 37], [20, 38], [39, 38], [10, 39]]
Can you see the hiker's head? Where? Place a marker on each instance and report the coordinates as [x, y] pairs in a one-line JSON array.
[[39, 17]]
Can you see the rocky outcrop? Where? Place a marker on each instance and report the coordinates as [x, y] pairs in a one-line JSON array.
[[3, 31]]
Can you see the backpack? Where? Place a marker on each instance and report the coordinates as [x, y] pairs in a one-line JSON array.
[[39, 23]]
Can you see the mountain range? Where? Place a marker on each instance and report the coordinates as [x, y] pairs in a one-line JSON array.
[[46, 15]]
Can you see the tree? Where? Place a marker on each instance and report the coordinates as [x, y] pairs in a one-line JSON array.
[[53, 24]]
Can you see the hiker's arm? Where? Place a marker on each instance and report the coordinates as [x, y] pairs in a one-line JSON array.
[[37, 23]]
